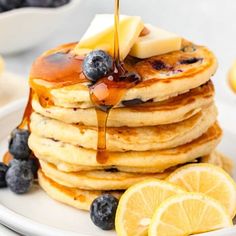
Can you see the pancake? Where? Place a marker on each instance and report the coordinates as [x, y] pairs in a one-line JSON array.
[[163, 76], [226, 162], [66, 167], [214, 158], [51, 150], [80, 199], [97, 180], [219, 159], [169, 111], [77, 198], [112, 179], [126, 138]]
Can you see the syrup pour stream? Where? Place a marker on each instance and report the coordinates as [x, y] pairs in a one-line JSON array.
[[108, 91], [60, 67], [101, 94]]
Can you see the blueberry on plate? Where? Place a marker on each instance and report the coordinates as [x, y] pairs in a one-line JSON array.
[[3, 171], [18, 144], [34, 166], [13, 162], [33, 163], [10, 4], [97, 64], [38, 3], [103, 211], [19, 176], [59, 3]]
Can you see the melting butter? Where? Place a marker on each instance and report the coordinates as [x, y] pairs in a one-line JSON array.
[[100, 34], [156, 42]]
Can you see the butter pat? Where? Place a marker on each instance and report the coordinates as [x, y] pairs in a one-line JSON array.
[[100, 34], [156, 42]]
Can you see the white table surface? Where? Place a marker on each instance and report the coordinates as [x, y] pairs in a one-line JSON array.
[[208, 22]]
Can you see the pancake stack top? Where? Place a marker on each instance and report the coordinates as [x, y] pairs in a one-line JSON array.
[[166, 120]]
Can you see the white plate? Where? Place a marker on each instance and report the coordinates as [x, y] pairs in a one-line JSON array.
[[36, 214]]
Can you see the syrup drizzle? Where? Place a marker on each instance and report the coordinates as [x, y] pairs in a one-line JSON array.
[[116, 33], [103, 97], [55, 69], [59, 67], [108, 91], [7, 158], [25, 122]]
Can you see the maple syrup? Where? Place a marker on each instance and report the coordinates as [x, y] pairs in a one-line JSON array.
[[56, 69], [108, 91], [116, 33], [7, 158], [60, 67], [27, 113]]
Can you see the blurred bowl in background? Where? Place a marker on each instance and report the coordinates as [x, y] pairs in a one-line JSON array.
[[24, 28]]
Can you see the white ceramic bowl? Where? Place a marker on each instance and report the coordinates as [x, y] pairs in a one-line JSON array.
[[24, 28]]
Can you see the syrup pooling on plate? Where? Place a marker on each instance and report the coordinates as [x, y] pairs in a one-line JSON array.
[[108, 91], [7, 158]]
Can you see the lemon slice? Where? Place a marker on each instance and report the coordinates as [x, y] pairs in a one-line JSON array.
[[208, 179], [138, 203], [188, 214]]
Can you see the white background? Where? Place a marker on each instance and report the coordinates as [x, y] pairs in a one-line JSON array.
[[208, 22]]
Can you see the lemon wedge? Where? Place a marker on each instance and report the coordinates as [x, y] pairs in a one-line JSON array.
[[187, 214], [138, 203], [208, 179]]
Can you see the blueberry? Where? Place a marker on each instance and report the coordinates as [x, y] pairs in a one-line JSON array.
[[10, 4], [38, 3], [132, 102], [131, 77], [14, 162], [34, 164], [97, 64], [103, 211], [158, 65], [190, 60], [3, 171], [58, 3], [18, 144], [19, 176]]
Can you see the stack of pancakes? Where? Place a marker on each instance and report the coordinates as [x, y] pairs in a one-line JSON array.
[[167, 120]]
